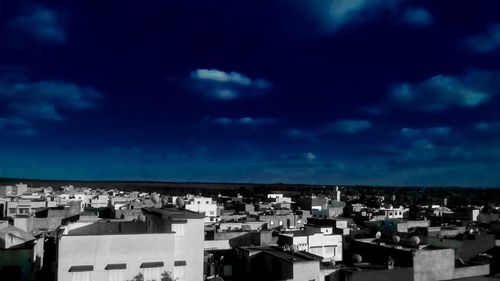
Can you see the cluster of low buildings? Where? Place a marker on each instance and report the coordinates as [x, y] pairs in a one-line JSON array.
[[78, 233]]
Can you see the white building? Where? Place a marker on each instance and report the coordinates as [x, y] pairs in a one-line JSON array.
[[394, 213], [13, 190], [171, 240], [203, 205], [328, 246], [279, 198]]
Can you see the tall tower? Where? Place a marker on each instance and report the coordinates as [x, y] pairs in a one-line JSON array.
[[445, 201], [337, 191]]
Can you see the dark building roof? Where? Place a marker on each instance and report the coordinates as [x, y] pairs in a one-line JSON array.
[[285, 255], [300, 232], [110, 228], [173, 213], [325, 221]]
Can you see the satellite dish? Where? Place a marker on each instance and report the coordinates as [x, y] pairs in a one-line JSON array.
[[164, 201], [332, 262], [356, 258], [155, 198], [294, 248], [180, 202], [415, 240], [137, 201], [141, 218], [378, 234], [396, 239]]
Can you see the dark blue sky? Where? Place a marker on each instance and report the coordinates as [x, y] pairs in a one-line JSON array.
[[383, 92]]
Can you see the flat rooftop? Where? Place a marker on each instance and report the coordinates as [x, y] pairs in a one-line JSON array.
[[285, 255], [403, 245], [174, 213], [110, 228]]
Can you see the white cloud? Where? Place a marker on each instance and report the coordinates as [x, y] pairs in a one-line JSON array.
[[221, 76], [372, 110], [309, 156], [487, 126], [349, 126], [16, 125], [25, 101], [26, 132], [222, 85], [331, 15], [334, 14], [484, 43], [41, 24], [434, 131], [6, 121], [301, 134], [43, 99], [244, 121], [418, 17], [444, 91]]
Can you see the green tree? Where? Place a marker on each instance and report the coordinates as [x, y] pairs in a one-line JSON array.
[[165, 276]]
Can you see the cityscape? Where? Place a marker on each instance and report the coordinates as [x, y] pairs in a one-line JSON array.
[[246, 232], [274, 140]]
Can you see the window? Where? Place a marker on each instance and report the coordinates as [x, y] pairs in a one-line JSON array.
[[116, 275], [152, 270], [81, 276], [207, 202], [179, 270], [152, 273], [12, 210], [116, 272], [316, 251], [330, 251], [81, 272]]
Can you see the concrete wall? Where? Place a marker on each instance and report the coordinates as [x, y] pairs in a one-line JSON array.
[[263, 238], [487, 217], [274, 269], [189, 248], [101, 250], [216, 245], [465, 249], [304, 271], [471, 271], [436, 264], [378, 254], [399, 274], [236, 239]]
